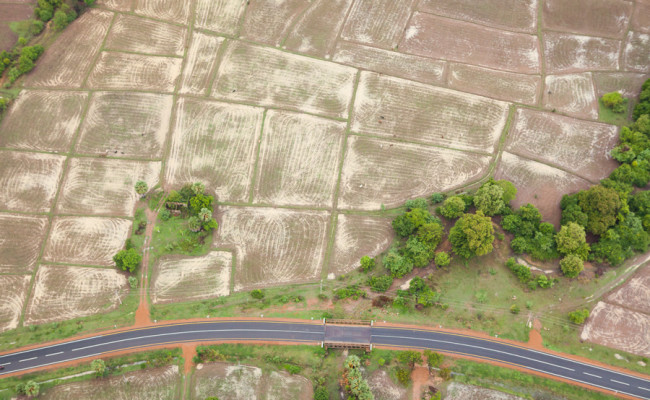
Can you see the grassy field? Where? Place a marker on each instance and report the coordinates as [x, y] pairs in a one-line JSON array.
[[606, 115]]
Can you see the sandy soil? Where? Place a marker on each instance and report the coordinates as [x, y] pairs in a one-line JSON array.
[[620, 328], [392, 107], [221, 16], [635, 54], [121, 124], [58, 113], [200, 62], [268, 77], [21, 237], [67, 61], [573, 53], [460, 391], [170, 10], [377, 172], [61, 293], [141, 35], [86, 240], [191, 278], [268, 21], [606, 18], [383, 387], [635, 293], [12, 299], [224, 162], [358, 236], [577, 146], [104, 186], [379, 23], [572, 94], [28, 181], [281, 386], [273, 246], [298, 160]]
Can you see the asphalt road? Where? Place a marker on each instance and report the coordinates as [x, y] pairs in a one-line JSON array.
[[307, 332]]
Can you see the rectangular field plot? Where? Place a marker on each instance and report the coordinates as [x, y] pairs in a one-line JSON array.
[[28, 181], [580, 147], [299, 159], [358, 236], [379, 23], [42, 120], [273, 246], [62, 293], [214, 143], [393, 107], [221, 16], [635, 293], [273, 78], [607, 18], [140, 35], [68, 60], [268, 21], [538, 184], [436, 37], [104, 187], [572, 53], [641, 17], [169, 10], [200, 62], [507, 86], [572, 94], [627, 83], [316, 30], [391, 63], [120, 124], [134, 71], [635, 55], [618, 327], [21, 237], [12, 299], [191, 278], [516, 15], [379, 172], [86, 240]]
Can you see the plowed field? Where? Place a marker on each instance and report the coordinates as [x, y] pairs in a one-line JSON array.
[[12, 299], [21, 237], [610, 326]]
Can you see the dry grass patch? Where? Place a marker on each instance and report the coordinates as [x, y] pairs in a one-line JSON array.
[[268, 21], [269, 77], [273, 246], [227, 382], [221, 16], [281, 386], [103, 186], [379, 172], [572, 53], [635, 294], [315, 32], [635, 54], [391, 63], [500, 85], [572, 94], [134, 71], [200, 62], [28, 181], [608, 18], [538, 184], [620, 328], [358, 236], [86, 240], [578, 146], [460, 391], [178, 278], [151, 384], [379, 23], [392, 107], [42, 120], [299, 159], [21, 237], [121, 124], [12, 299], [431, 36], [68, 60], [385, 388], [214, 143], [517, 15], [141, 35], [62, 293], [170, 10], [627, 83]]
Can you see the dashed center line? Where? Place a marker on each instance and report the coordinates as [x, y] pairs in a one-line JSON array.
[[595, 376], [642, 388], [622, 383], [53, 354], [28, 359]]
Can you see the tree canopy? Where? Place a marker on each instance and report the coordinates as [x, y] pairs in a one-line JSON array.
[[472, 235]]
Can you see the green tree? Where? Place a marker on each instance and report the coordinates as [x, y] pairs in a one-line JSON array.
[[367, 263], [572, 240], [442, 259], [199, 202], [409, 358], [32, 389], [127, 260], [397, 264], [198, 188], [419, 253], [509, 190], [380, 283], [437, 198], [416, 203], [614, 101], [257, 294], [194, 224], [453, 207], [601, 205], [579, 316], [489, 199], [353, 381], [205, 215], [430, 234], [60, 20], [141, 188], [434, 360], [99, 366], [472, 235], [571, 265]]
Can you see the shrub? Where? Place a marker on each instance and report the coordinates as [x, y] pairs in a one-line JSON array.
[[434, 360], [403, 376], [416, 203], [514, 309], [60, 20], [321, 393], [437, 198], [257, 294], [442, 259], [579, 316], [367, 263], [380, 283], [453, 207], [127, 260], [571, 265], [521, 271], [615, 102], [165, 214], [133, 282], [350, 291]]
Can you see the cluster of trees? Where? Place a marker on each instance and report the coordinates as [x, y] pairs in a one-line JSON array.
[[21, 60], [353, 382], [197, 204], [525, 275], [61, 12], [532, 236], [420, 292], [615, 102]]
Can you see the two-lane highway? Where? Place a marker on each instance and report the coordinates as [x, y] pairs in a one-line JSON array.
[[263, 330]]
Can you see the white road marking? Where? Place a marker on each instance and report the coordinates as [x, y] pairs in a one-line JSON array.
[[6, 363], [622, 383], [642, 388], [595, 376], [28, 359], [53, 354]]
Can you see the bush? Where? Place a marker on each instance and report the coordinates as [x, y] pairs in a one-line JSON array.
[[615, 102], [514, 309], [350, 291], [133, 282], [321, 393], [442, 259], [380, 283], [521, 271], [579, 316], [416, 203], [127, 260], [403, 376], [257, 294], [437, 198], [165, 214], [571, 265], [367, 263], [60, 20], [453, 207]]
